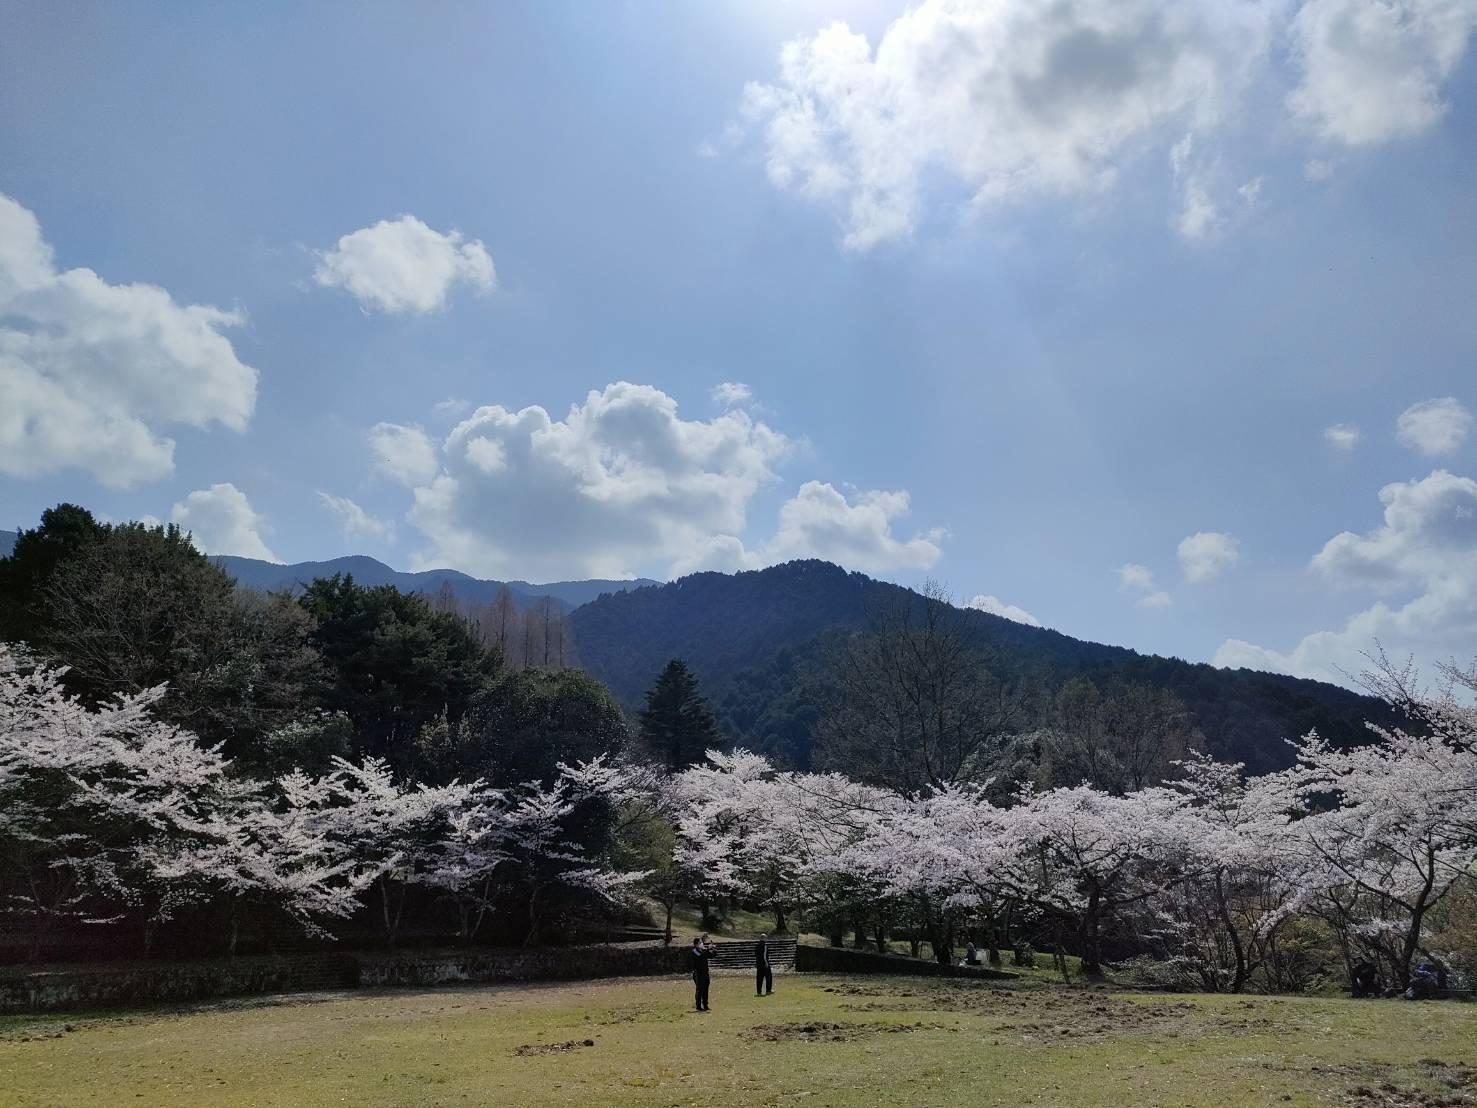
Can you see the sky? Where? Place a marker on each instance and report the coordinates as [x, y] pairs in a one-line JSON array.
[[1151, 321]]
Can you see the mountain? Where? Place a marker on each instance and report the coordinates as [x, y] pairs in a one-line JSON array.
[[272, 576], [7, 542], [749, 637]]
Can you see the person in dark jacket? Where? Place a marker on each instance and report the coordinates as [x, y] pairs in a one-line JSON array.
[[763, 974], [701, 953]]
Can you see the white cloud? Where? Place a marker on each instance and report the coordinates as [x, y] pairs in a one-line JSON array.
[[995, 606], [1251, 192], [354, 521], [1011, 100], [406, 455], [622, 485], [450, 408], [820, 522], [1008, 100], [1434, 427], [1205, 555], [1139, 581], [1426, 551], [1341, 436], [1318, 169], [221, 521], [706, 149], [91, 373], [402, 266], [732, 394], [1372, 70]]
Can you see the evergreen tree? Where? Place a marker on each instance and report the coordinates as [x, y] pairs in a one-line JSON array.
[[676, 724]]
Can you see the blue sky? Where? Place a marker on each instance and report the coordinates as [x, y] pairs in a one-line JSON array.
[[1022, 297]]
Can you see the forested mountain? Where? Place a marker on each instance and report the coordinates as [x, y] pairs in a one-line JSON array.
[[271, 577], [754, 640]]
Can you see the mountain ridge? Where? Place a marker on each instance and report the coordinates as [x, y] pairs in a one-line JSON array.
[[748, 637]]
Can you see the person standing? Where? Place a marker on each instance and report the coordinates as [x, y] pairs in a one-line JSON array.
[[701, 953], [763, 973]]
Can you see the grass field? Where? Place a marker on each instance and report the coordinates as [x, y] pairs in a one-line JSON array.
[[818, 1041]]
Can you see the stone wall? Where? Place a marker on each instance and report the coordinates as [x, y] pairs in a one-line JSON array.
[[831, 959], [535, 964], [82, 987]]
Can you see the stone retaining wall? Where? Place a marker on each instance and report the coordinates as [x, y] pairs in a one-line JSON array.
[[831, 959], [79, 988]]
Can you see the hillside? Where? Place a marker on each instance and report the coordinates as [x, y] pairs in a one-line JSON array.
[[749, 637], [367, 571]]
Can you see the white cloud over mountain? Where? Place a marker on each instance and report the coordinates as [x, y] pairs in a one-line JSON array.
[[1138, 581], [402, 266], [91, 373], [1007, 100], [354, 521], [1424, 557], [222, 521], [995, 606], [622, 485]]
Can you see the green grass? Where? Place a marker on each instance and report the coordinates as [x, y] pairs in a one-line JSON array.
[[900, 1041]]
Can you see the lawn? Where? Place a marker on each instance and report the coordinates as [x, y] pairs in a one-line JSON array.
[[818, 1041]]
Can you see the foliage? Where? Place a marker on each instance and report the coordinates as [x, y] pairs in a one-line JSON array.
[[395, 664], [676, 725]]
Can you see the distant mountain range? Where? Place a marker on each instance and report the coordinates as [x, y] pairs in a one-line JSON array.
[[367, 571], [273, 576], [750, 636]]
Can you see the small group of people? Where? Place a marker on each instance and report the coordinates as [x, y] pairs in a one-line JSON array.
[[702, 955]]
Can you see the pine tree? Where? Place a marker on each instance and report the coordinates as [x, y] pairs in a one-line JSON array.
[[676, 724]]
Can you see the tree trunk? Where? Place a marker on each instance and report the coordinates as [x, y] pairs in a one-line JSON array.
[[781, 925], [667, 938]]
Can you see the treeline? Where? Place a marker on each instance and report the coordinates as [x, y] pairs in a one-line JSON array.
[[277, 685]]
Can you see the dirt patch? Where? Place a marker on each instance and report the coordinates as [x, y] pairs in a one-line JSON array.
[[530, 1049], [822, 1032], [1447, 1086]]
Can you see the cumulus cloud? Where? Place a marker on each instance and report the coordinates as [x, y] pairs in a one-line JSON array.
[[1425, 554], [1012, 100], [92, 373], [732, 394], [1006, 99], [406, 455], [354, 521], [997, 607], [402, 266], [1139, 581], [1434, 427], [1341, 436], [623, 485], [1205, 555], [1372, 71], [820, 522], [221, 521]]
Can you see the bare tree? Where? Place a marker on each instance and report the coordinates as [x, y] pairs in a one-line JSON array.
[[915, 704]]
